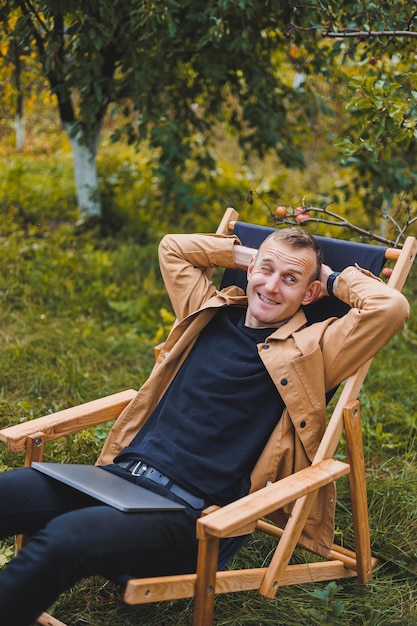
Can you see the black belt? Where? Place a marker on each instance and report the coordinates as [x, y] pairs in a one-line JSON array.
[[140, 468]]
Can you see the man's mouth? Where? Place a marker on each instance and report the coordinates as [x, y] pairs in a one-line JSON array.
[[267, 300]]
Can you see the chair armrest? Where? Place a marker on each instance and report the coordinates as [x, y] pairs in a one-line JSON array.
[[235, 518], [68, 421]]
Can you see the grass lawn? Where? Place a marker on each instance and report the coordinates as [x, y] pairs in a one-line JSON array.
[[79, 315]]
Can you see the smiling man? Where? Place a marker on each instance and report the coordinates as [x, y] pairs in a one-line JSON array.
[[283, 276], [236, 399]]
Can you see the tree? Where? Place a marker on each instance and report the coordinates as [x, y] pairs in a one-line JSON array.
[[21, 83], [175, 68], [374, 44], [171, 66], [79, 65], [16, 61]]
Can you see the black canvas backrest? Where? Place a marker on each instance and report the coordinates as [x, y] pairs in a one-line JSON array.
[[337, 253]]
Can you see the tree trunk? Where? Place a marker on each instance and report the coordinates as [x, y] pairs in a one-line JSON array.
[[16, 51], [85, 172], [19, 125]]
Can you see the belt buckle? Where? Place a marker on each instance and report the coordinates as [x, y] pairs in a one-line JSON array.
[[139, 468]]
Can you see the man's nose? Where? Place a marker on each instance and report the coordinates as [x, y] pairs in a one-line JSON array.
[[272, 284]]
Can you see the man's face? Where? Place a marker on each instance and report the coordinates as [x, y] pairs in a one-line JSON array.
[[279, 282]]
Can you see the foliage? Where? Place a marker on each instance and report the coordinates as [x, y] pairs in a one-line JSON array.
[[374, 47], [329, 609], [216, 61], [35, 192], [132, 204], [22, 86], [6, 554], [266, 70]]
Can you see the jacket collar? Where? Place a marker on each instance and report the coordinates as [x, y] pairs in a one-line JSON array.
[[297, 321], [235, 296]]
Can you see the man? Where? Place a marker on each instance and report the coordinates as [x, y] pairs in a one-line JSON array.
[[236, 399]]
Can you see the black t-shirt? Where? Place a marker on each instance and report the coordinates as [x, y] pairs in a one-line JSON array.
[[213, 422]]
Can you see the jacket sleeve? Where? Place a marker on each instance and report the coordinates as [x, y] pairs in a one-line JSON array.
[[187, 263], [377, 313]]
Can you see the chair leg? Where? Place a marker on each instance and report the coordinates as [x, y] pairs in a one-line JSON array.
[[205, 586], [35, 446], [286, 546], [357, 481]]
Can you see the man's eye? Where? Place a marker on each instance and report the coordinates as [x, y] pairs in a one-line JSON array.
[[290, 279]]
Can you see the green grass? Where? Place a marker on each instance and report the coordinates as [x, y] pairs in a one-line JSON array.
[[79, 315]]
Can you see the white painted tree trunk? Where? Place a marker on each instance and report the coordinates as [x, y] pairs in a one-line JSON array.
[[85, 173], [19, 124]]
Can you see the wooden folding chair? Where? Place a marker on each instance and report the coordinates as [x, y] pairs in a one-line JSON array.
[[251, 512]]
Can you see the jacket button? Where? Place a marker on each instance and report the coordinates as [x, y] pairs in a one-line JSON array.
[[265, 346], [303, 424], [284, 381]]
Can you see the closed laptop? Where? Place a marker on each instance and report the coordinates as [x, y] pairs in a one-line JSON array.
[[107, 487]]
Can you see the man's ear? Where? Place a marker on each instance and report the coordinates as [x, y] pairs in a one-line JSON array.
[[250, 267], [312, 293]]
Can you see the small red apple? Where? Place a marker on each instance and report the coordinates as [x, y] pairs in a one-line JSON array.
[[387, 271], [281, 211], [301, 214]]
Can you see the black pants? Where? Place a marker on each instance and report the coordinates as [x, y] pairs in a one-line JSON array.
[[73, 536]]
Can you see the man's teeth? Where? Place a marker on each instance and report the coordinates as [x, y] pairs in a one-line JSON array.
[[267, 300]]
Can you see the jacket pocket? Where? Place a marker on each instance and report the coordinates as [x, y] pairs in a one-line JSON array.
[[309, 369]]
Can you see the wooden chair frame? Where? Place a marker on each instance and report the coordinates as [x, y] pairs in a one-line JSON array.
[[243, 516]]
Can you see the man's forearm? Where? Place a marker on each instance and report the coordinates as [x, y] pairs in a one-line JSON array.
[[185, 263], [243, 255]]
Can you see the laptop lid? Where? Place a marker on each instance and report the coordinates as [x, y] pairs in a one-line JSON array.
[[107, 487]]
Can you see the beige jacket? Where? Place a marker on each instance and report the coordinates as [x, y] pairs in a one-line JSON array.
[[304, 361]]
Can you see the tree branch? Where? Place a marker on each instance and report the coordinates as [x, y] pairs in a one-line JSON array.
[[364, 34], [322, 215], [337, 221]]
